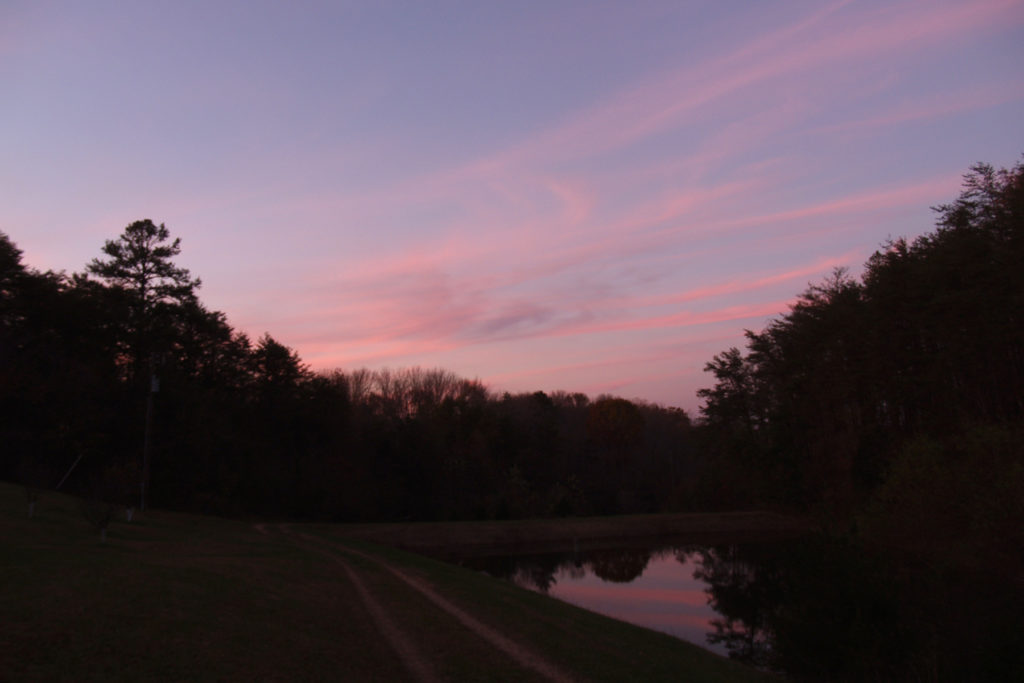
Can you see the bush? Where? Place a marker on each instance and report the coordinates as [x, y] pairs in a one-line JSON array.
[[959, 495]]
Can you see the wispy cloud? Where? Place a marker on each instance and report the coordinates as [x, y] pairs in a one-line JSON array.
[[812, 44], [414, 302], [931, 106], [691, 191]]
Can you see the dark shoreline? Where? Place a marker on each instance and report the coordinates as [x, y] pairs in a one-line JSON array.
[[582, 533]]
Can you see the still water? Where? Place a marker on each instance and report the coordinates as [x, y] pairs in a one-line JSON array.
[[660, 589], [814, 608]]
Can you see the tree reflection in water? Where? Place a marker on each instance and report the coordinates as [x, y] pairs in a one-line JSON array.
[[825, 609], [742, 592], [818, 609], [619, 566], [531, 571], [539, 572]]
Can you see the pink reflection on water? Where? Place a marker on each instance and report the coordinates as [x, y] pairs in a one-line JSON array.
[[665, 598]]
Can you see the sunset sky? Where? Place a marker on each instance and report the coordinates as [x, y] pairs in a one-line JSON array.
[[588, 196]]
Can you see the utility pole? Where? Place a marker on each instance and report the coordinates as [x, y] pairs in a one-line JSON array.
[[154, 387]]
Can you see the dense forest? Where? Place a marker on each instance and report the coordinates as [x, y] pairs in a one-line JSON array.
[[897, 395], [122, 370], [895, 400]]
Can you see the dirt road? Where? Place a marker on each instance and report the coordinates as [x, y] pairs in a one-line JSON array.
[[402, 632]]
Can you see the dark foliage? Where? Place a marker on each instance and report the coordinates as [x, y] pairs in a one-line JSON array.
[[827, 608], [880, 389], [855, 392], [236, 427]]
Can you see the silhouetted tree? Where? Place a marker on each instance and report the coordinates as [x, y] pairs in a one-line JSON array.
[[141, 264], [276, 367], [929, 342]]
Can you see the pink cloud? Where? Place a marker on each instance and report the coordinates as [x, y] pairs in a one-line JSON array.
[[634, 594], [621, 119], [817, 269], [549, 222], [675, 620], [912, 195], [395, 342], [577, 203], [616, 359], [445, 296], [412, 304], [681, 319], [616, 368], [500, 268], [689, 213], [936, 106], [653, 107]]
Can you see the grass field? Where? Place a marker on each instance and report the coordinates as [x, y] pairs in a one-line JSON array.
[[179, 597]]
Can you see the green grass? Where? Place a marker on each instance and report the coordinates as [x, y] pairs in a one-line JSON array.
[[182, 597]]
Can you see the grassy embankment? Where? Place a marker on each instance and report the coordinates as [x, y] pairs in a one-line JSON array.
[[181, 597]]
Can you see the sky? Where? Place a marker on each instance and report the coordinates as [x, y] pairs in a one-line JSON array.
[[553, 195]]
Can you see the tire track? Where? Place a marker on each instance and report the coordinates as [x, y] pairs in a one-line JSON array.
[[410, 655], [524, 656]]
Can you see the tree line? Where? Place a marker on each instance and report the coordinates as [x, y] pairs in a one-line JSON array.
[[894, 396], [122, 370]]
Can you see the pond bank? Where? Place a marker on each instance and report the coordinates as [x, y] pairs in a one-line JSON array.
[[543, 535], [317, 607]]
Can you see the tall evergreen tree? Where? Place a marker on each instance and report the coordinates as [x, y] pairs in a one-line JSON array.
[[141, 263], [141, 266], [927, 345]]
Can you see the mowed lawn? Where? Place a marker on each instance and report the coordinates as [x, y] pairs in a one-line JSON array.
[[182, 597]]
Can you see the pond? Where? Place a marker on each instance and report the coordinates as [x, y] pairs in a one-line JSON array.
[[659, 589], [814, 608]]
